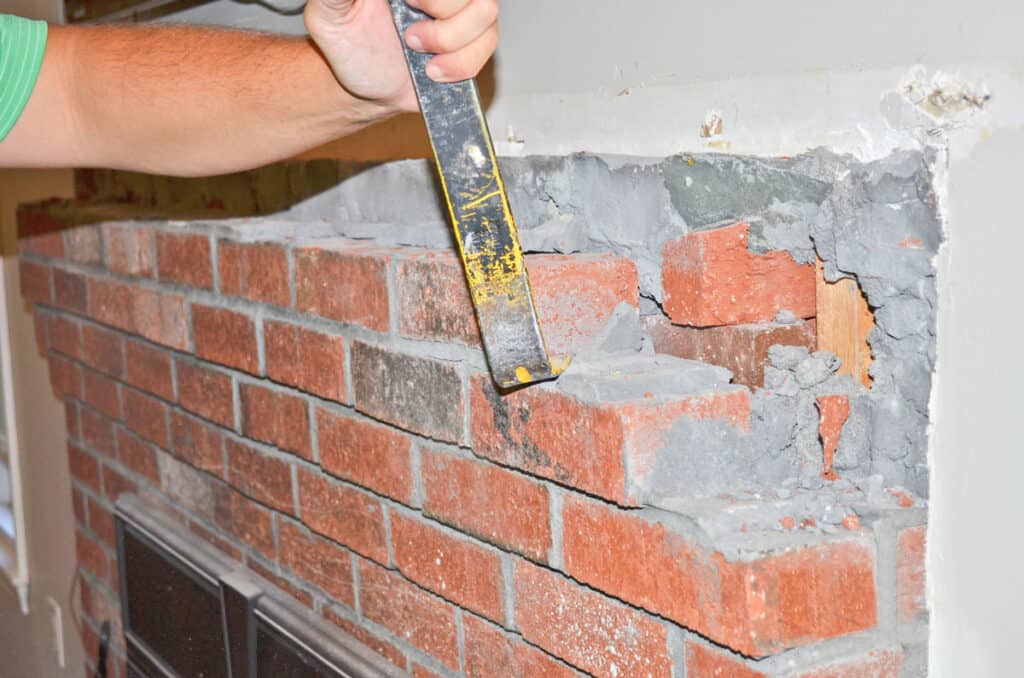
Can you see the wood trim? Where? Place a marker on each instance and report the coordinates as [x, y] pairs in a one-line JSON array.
[[844, 320]]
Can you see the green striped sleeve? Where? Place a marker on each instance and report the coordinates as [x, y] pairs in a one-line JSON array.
[[22, 43]]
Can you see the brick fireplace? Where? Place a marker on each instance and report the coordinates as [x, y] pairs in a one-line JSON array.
[[312, 400]]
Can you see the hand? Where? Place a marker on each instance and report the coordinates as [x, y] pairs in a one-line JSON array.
[[359, 40]]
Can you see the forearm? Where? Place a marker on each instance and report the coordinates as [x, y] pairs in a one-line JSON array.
[[183, 100]]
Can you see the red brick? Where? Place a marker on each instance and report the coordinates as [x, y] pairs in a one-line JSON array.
[[71, 419], [703, 661], [255, 271], [40, 228], [148, 368], [65, 377], [91, 556], [115, 484], [100, 605], [206, 392], [262, 477], [78, 504], [488, 502], [84, 467], [276, 418], [245, 520], [101, 522], [225, 337], [157, 316], [373, 456], [184, 258], [743, 349], [39, 331], [82, 244], [381, 647], [833, 411], [492, 653], [453, 568], [70, 291], [198, 443], [215, 540], [430, 400], [575, 297], [423, 672], [308, 360], [348, 516], [344, 281], [586, 629], [103, 350], [129, 249], [145, 416], [757, 606], [318, 562], [97, 432], [34, 280], [137, 455], [425, 621], [63, 335], [711, 278], [102, 393], [549, 433], [910, 568], [299, 594]]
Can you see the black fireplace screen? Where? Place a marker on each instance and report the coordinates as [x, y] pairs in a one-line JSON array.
[[189, 612]]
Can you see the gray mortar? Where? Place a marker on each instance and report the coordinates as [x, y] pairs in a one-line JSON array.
[[874, 222]]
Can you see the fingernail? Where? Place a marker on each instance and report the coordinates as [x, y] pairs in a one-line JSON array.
[[414, 42], [434, 72]]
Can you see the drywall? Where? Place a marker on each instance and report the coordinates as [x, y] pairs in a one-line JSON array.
[[973, 560]]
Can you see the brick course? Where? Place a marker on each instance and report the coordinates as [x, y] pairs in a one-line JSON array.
[[371, 470]]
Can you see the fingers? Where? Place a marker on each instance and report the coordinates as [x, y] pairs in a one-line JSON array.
[[465, 63], [444, 36], [439, 9]]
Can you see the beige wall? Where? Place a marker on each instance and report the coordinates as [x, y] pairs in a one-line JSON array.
[[27, 642]]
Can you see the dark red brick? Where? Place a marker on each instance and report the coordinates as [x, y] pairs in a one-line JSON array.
[[597, 634], [101, 522], [256, 271], [137, 455], [198, 443], [103, 349], [70, 291], [308, 360], [262, 477], [492, 653], [145, 416], [206, 392], [367, 454], [65, 377], [148, 368], [84, 468], [116, 483], [488, 502], [344, 281], [346, 515], [34, 280], [381, 647], [245, 520], [425, 621], [225, 337], [102, 393], [63, 335], [184, 258], [276, 418], [453, 568], [91, 556], [743, 349], [97, 432], [318, 561], [286, 585]]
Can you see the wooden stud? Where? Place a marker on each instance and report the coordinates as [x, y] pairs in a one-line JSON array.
[[844, 320]]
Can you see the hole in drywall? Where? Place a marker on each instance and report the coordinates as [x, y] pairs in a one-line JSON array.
[[844, 320]]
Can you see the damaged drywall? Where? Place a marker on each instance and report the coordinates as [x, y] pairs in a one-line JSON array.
[[874, 222]]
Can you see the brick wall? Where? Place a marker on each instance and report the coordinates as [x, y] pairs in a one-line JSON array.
[[320, 410]]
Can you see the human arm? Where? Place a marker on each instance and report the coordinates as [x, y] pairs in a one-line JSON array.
[[196, 101]]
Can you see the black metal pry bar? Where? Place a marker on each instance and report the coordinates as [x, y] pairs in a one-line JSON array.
[[482, 219]]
